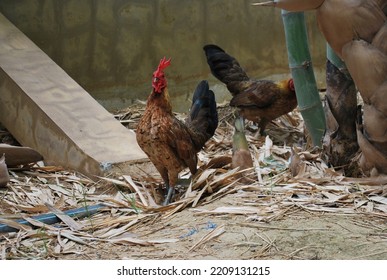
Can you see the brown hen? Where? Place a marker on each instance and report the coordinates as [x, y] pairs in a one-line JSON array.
[[260, 101], [171, 144]]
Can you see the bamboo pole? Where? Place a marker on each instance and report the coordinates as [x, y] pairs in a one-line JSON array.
[[337, 61], [300, 64]]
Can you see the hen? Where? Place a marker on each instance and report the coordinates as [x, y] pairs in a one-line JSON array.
[[260, 101], [171, 144]]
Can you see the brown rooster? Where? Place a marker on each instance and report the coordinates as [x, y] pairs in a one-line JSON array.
[[170, 144], [260, 101]]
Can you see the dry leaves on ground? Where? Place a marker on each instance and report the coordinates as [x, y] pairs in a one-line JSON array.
[[286, 177]]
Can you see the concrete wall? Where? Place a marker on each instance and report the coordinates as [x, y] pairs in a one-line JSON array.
[[112, 47]]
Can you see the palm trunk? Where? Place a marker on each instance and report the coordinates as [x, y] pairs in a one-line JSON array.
[[300, 63]]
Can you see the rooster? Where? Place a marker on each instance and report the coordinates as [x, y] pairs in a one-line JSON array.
[[171, 144], [260, 101]]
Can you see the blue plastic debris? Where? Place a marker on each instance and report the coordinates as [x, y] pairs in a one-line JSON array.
[[51, 218], [191, 232], [210, 225]]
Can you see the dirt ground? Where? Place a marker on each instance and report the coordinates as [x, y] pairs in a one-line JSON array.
[[319, 214], [246, 224], [296, 234]]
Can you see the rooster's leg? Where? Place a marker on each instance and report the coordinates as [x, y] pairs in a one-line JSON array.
[[262, 125], [170, 194], [261, 128]]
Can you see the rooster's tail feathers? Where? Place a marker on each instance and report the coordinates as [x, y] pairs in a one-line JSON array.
[[203, 116], [223, 66]]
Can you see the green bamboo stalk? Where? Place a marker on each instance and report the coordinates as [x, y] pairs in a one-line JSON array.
[[300, 64], [337, 61]]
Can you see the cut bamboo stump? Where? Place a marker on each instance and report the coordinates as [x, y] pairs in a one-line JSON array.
[[45, 109]]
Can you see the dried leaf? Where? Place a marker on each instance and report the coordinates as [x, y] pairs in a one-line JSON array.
[[33, 209], [59, 189], [332, 197], [74, 238], [136, 189], [379, 199], [113, 232], [137, 241], [203, 177], [65, 218], [229, 210], [211, 235], [15, 225], [114, 181]]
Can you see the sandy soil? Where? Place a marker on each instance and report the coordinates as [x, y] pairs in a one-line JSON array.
[[287, 232], [296, 234]]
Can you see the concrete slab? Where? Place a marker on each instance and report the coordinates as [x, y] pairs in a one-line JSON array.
[[45, 109]]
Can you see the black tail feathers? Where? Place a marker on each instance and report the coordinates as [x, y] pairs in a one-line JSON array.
[[203, 116], [223, 66]]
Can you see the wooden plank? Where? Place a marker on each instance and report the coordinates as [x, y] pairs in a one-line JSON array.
[[45, 109]]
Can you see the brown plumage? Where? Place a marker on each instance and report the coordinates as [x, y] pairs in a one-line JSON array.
[[170, 144], [260, 101]]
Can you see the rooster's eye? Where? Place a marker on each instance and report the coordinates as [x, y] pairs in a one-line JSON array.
[[155, 79]]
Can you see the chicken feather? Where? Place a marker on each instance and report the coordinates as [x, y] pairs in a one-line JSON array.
[[260, 101]]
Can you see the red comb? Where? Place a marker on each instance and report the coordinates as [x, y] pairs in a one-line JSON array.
[[291, 84], [163, 64]]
